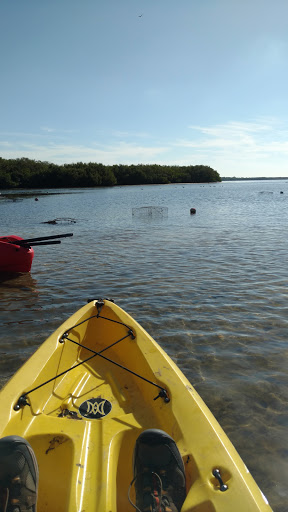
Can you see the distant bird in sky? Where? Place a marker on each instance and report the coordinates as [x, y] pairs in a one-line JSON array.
[[140, 15]]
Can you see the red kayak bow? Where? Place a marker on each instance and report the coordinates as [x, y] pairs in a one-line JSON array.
[[14, 257]]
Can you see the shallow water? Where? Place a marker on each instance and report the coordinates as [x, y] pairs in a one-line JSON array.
[[211, 288]]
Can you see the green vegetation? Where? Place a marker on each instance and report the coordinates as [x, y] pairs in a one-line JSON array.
[[25, 173]]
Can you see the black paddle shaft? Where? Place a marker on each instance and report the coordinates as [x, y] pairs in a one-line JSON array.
[[29, 241], [51, 242]]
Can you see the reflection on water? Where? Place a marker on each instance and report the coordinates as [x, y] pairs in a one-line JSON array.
[[210, 288], [19, 300], [11, 280]]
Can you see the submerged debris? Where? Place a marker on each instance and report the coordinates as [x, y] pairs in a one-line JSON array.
[[60, 220], [152, 212]]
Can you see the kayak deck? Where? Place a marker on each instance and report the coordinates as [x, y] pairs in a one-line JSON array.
[[83, 424]]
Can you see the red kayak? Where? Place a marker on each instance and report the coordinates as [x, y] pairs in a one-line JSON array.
[[13, 257], [16, 254]]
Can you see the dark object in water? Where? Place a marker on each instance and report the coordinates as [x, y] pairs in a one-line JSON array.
[[150, 212], [61, 220], [192, 211]]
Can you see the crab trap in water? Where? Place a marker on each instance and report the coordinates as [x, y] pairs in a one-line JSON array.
[[150, 212]]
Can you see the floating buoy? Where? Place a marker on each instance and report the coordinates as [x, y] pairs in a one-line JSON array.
[[192, 211]]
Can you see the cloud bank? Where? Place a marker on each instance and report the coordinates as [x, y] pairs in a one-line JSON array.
[[254, 149]]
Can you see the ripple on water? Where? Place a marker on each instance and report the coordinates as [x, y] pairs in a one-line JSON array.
[[210, 288]]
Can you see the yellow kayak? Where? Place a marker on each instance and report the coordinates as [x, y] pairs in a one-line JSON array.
[[84, 397]]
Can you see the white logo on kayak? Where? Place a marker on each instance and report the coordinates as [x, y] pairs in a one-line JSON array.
[[95, 408]]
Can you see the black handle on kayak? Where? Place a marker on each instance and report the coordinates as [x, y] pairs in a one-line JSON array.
[[29, 241], [217, 474]]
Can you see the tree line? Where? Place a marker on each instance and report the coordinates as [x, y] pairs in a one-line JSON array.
[[26, 173]]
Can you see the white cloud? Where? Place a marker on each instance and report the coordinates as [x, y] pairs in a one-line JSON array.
[[233, 128], [257, 148], [247, 137], [46, 129], [61, 153], [123, 134]]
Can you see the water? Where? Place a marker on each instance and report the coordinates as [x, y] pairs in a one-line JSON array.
[[211, 288]]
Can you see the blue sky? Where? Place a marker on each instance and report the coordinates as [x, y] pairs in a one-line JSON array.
[[146, 81]]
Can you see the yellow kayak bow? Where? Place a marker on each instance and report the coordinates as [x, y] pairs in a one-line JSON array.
[[85, 396]]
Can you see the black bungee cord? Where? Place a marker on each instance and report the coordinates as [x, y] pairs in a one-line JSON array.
[[22, 400]]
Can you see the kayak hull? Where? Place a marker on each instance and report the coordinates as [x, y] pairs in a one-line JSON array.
[[83, 425], [13, 257]]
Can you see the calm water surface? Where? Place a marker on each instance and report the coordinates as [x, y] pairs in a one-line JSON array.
[[211, 288]]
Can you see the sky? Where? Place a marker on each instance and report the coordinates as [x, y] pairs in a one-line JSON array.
[[182, 82]]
